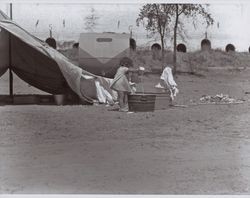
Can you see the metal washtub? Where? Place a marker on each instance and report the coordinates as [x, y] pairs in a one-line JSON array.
[[141, 102]]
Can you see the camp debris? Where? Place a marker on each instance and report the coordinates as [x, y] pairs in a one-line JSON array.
[[219, 99]]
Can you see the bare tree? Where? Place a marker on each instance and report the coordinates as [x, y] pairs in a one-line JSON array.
[[187, 10], [157, 18], [91, 21]]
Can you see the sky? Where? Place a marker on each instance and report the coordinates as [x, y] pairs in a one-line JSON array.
[[68, 21]]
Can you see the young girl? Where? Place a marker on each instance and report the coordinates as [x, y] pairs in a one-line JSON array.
[[121, 83]]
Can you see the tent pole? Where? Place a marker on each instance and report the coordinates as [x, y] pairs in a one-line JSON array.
[[10, 58]]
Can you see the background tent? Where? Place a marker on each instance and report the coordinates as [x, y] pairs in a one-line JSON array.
[[100, 53]]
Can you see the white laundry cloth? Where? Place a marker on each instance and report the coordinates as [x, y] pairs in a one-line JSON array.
[[103, 95], [167, 77]]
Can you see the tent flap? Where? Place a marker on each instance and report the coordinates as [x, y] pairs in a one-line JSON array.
[[43, 67], [4, 51]]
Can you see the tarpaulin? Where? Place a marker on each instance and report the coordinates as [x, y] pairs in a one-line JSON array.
[[4, 46], [45, 68], [4, 51]]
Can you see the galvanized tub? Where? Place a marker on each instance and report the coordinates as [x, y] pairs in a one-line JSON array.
[[162, 99], [141, 102]]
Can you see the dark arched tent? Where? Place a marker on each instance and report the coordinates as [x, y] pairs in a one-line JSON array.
[[4, 47], [230, 48], [181, 48], [35, 62], [205, 44]]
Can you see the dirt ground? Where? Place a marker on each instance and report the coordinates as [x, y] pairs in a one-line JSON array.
[[201, 149]]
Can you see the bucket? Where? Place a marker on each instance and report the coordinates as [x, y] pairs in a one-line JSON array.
[[141, 102], [59, 99]]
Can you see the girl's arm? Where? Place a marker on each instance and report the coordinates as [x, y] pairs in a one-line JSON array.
[[140, 69], [133, 70]]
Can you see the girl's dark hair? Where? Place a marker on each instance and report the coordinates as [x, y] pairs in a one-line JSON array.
[[126, 62]]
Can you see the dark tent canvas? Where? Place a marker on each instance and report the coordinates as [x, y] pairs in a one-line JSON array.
[[4, 47], [35, 62]]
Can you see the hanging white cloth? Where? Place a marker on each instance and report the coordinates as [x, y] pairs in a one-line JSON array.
[[168, 78], [103, 95]]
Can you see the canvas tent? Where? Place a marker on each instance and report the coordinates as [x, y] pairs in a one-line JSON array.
[[100, 53], [40, 65], [4, 47]]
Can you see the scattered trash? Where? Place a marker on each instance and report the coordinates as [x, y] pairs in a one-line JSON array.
[[219, 99]]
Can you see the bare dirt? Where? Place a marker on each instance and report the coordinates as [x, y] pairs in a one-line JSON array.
[[201, 149]]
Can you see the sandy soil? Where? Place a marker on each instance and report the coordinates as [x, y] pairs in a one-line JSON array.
[[201, 149]]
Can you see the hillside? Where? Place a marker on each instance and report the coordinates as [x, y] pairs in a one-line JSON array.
[[198, 61]]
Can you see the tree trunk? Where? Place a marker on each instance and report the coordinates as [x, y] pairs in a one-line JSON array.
[[175, 38]]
